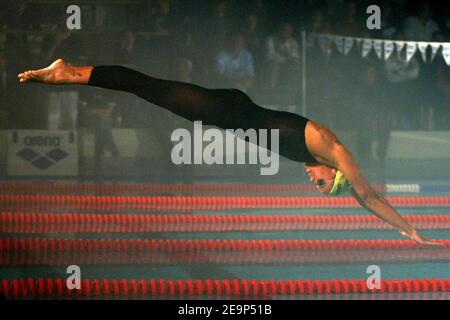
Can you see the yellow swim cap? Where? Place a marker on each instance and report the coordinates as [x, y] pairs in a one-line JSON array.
[[340, 186]]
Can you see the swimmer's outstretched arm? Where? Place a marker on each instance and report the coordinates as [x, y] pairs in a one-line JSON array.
[[329, 151]]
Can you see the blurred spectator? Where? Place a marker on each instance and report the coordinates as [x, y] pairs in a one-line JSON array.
[[352, 24], [442, 99], [234, 65], [440, 92], [15, 15], [335, 9], [253, 34], [260, 10], [321, 92], [199, 31], [218, 26], [446, 29], [53, 15], [163, 20], [402, 77], [166, 25], [18, 57], [389, 21], [2, 79], [101, 13], [126, 52], [100, 109], [371, 117], [18, 14], [284, 10], [283, 58], [306, 9], [62, 100], [316, 22], [421, 26], [3, 90]]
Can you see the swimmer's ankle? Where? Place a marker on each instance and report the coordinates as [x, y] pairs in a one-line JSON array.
[[79, 75]]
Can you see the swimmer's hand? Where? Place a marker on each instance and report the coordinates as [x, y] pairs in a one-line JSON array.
[[421, 239]]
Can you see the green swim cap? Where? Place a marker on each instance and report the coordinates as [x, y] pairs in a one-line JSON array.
[[340, 186]]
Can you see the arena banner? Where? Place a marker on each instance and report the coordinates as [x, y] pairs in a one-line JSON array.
[[382, 47], [42, 153]]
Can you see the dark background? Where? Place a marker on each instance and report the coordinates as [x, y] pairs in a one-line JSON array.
[[181, 40]]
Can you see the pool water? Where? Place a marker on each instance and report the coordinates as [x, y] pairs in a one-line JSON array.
[[439, 269]]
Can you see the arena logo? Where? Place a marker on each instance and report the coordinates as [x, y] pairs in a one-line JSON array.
[[42, 141], [42, 161], [228, 144]]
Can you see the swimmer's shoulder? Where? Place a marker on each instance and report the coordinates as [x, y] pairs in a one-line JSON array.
[[321, 141], [317, 130]]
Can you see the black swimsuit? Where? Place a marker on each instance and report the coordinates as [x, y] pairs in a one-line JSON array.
[[224, 108]]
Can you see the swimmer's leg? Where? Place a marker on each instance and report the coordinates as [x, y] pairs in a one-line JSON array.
[[59, 72], [224, 108], [227, 109]]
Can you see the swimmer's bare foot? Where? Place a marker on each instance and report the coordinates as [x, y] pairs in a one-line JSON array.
[[59, 72]]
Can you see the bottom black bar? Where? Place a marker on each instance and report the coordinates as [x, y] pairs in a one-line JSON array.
[[217, 309]]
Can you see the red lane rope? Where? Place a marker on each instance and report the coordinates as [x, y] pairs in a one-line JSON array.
[[14, 222], [38, 251], [183, 203], [91, 288], [124, 188]]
